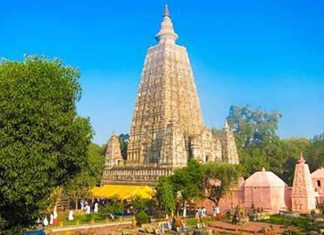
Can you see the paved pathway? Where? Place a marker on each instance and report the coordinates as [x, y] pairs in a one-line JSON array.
[[249, 228], [88, 227]]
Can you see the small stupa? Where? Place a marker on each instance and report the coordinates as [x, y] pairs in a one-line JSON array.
[[303, 193]]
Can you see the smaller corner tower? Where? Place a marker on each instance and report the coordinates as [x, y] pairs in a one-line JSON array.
[[113, 155], [229, 150], [303, 194]]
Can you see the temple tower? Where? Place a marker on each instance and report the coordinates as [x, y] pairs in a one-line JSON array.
[[167, 98], [229, 150], [167, 127], [113, 155], [303, 194]]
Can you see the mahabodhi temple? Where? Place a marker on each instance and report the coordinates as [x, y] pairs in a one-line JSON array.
[[167, 127]]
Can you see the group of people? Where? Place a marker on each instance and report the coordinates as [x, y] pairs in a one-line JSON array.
[[201, 212], [53, 219], [84, 206], [176, 224]]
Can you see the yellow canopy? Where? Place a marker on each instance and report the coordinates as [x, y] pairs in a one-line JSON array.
[[123, 191]]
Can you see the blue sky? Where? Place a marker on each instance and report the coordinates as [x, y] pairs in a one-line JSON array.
[[269, 54]]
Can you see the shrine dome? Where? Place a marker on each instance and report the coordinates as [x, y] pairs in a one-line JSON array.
[[265, 190], [264, 179]]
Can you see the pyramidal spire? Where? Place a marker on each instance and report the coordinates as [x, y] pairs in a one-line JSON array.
[[166, 33]]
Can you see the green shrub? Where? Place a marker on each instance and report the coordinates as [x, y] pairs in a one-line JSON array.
[[142, 217], [112, 207], [301, 222], [140, 204]]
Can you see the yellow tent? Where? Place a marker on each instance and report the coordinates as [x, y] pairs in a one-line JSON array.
[[123, 192]]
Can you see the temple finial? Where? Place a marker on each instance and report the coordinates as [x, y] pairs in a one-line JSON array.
[[166, 11], [166, 33], [301, 158]]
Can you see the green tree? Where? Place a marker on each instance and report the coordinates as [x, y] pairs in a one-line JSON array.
[[218, 179], [252, 160], [88, 177], [43, 142], [315, 153], [187, 182], [259, 145], [253, 127], [123, 142], [96, 161], [291, 149], [256, 138], [165, 194], [113, 207]]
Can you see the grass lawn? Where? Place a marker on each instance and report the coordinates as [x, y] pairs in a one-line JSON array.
[[81, 218]]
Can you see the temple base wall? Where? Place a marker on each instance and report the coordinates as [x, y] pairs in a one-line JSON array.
[[139, 175]]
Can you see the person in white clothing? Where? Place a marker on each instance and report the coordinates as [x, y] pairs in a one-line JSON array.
[[70, 217], [217, 210], [96, 207], [82, 204], [87, 209], [51, 218], [45, 221]]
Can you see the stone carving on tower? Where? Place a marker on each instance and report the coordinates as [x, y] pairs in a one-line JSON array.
[[167, 127], [303, 193]]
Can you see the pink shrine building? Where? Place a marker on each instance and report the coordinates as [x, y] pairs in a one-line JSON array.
[[303, 193], [318, 183], [266, 191], [263, 190]]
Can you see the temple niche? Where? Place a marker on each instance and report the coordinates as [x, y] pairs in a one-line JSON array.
[[167, 127]]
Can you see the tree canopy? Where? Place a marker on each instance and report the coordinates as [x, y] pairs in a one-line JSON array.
[[218, 179], [123, 141], [166, 194], [260, 146], [252, 127], [195, 181], [89, 175], [43, 142], [315, 153]]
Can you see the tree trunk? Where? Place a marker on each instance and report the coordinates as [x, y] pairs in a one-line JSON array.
[[217, 203], [76, 203], [178, 209], [185, 208]]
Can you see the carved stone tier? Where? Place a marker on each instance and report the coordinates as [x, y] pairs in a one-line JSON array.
[[146, 175]]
